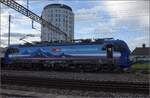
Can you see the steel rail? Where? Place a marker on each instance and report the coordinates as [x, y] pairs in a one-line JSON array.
[[130, 87]]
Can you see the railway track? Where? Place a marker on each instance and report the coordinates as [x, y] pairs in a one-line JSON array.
[[63, 69], [107, 86], [15, 96]]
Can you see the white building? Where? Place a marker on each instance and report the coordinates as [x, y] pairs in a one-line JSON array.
[[61, 16]]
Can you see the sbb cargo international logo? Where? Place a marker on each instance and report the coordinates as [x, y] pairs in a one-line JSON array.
[[56, 49]]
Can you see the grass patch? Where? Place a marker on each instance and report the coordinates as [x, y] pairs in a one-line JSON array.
[[144, 66]]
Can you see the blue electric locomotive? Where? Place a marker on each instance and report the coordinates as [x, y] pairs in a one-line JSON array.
[[100, 54]]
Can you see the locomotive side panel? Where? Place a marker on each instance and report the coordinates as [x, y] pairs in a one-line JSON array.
[[57, 52]]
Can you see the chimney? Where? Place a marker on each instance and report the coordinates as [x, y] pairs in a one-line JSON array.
[[143, 45]]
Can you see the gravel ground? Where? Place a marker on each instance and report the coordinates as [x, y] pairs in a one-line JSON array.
[[61, 93], [124, 77]]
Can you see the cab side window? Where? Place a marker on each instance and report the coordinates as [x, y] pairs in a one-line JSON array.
[[116, 48], [119, 48]]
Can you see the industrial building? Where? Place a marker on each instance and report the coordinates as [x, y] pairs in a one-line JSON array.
[[61, 16]]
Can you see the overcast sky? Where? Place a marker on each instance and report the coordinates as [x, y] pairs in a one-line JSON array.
[[125, 20]]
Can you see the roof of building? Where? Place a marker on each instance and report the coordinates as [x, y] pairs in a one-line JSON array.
[[140, 51], [58, 6]]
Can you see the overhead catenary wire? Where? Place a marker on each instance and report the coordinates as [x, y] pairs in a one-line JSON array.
[[16, 6], [17, 18], [112, 4], [37, 1], [117, 17]]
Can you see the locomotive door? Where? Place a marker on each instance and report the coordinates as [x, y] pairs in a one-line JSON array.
[[109, 49]]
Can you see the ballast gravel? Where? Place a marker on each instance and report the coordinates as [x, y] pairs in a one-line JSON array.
[[62, 93], [122, 77]]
